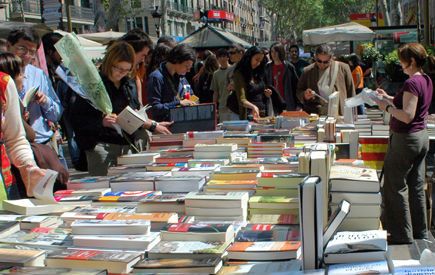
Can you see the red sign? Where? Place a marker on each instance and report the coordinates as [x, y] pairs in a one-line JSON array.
[[220, 15], [367, 19]]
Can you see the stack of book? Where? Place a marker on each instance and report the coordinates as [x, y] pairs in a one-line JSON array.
[[168, 203], [364, 126], [135, 181], [233, 180], [380, 130], [172, 156], [266, 149], [114, 234], [356, 246], [161, 142], [230, 206], [140, 158], [215, 151], [89, 183], [360, 187], [193, 138], [203, 170], [179, 184], [158, 220], [236, 125], [242, 142]]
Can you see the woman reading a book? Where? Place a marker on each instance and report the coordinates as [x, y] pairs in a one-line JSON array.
[[248, 83], [403, 192], [95, 132], [15, 143]]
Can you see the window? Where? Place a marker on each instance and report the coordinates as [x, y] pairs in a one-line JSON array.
[[146, 25], [139, 23]]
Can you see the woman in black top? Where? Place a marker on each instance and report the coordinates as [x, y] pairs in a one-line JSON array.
[[95, 131]]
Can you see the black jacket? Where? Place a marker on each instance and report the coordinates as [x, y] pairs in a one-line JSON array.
[[87, 121]]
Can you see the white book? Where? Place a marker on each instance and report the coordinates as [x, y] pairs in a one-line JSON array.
[[362, 210], [130, 120], [221, 147], [125, 242], [179, 184], [333, 104], [353, 179], [414, 270], [111, 227], [335, 220], [357, 224], [140, 158], [378, 267], [356, 198], [351, 246], [311, 220], [217, 200], [217, 212], [35, 207]]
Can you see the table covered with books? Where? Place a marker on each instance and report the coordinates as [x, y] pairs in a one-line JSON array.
[[291, 194]]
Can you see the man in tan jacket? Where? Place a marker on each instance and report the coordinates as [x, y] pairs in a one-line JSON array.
[[321, 79]]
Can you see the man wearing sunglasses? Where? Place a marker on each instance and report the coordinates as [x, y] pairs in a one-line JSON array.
[[45, 105], [321, 79]]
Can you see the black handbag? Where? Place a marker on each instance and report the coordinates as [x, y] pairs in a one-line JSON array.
[[233, 102]]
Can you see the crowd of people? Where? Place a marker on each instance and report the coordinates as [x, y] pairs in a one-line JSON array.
[[243, 83]]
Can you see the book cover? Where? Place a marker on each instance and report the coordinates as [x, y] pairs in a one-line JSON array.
[[378, 267], [196, 228], [265, 246], [349, 241], [267, 233]]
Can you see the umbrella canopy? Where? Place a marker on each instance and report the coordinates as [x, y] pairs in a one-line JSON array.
[[102, 37], [7, 26], [344, 32], [83, 41], [210, 37]]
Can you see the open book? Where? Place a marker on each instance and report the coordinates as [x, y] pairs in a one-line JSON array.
[[130, 120], [43, 203], [28, 97]]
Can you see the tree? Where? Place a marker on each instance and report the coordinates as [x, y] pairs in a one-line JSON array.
[[119, 9], [338, 11]]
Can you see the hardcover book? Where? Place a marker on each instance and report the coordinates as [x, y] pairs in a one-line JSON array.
[[264, 251], [115, 262], [206, 232], [209, 265], [186, 249]]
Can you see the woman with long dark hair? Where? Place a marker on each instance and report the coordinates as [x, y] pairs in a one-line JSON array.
[[282, 75], [248, 83]]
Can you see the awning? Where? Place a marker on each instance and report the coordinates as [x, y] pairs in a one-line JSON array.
[[345, 32], [211, 37]]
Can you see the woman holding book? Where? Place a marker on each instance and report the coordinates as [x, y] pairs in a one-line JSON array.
[[248, 84], [403, 192], [12, 133], [95, 131]]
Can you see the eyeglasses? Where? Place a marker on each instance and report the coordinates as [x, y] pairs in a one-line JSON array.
[[121, 70], [322, 62], [25, 50]]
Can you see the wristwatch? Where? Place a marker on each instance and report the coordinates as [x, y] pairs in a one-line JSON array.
[[153, 126], [388, 107]]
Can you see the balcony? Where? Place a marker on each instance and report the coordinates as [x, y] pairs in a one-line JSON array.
[[178, 9], [32, 9], [80, 13]]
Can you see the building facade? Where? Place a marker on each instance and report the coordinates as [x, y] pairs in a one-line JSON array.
[[179, 18], [82, 12]]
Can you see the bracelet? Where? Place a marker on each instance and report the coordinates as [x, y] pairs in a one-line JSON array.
[[388, 107], [153, 126]]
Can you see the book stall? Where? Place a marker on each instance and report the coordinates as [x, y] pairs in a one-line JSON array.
[[293, 194]]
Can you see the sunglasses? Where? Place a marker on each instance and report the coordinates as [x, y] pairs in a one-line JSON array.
[[232, 52], [323, 62]]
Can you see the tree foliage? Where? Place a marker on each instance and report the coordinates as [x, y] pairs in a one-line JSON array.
[[292, 17]]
